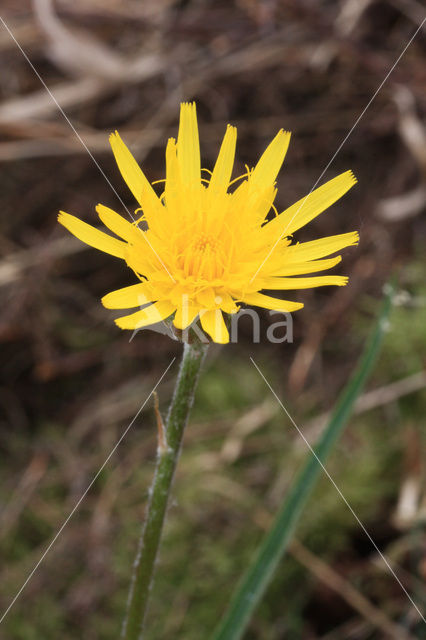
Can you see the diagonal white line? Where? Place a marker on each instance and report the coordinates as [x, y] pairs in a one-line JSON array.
[[357, 121], [81, 140], [54, 539], [340, 494]]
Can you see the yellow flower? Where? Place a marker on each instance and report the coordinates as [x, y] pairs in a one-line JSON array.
[[200, 249]]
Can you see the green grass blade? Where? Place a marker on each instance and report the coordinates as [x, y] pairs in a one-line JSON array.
[[273, 546]]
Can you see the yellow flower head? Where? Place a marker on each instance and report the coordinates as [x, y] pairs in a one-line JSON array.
[[201, 249]]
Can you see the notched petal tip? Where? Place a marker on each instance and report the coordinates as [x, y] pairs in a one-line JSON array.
[[68, 220], [350, 239], [62, 216], [353, 176], [188, 146], [269, 302], [121, 324], [188, 105], [285, 133], [267, 168], [128, 322], [133, 174]]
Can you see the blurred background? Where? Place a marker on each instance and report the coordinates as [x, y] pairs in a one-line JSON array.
[[70, 381]]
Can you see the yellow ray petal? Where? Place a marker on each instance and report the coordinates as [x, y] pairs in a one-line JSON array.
[[134, 296], [311, 205], [222, 171], [188, 145], [311, 266], [92, 236], [268, 302], [155, 313], [172, 172], [133, 175], [185, 315], [321, 247], [119, 225], [171, 188], [226, 303], [270, 162], [261, 203], [214, 324], [206, 298], [306, 283]]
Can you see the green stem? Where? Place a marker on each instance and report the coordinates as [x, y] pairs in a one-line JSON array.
[[193, 356]]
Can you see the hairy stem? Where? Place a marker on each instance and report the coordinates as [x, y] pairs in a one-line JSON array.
[[192, 358]]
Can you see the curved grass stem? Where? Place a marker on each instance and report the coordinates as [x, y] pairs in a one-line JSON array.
[[259, 574]]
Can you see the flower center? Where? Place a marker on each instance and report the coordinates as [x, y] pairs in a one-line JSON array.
[[204, 243], [203, 258]]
